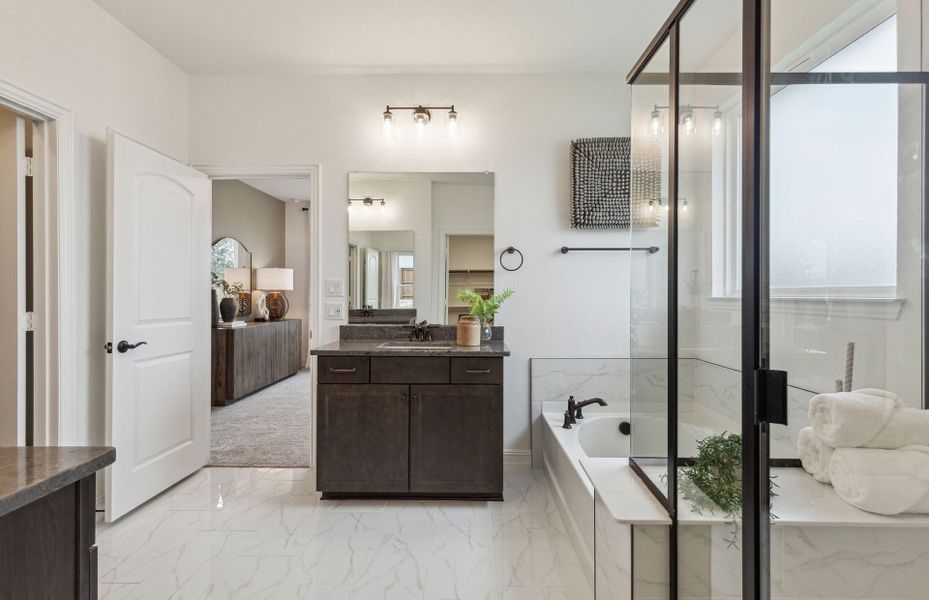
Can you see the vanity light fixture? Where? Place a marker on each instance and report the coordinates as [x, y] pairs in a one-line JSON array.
[[367, 202], [422, 116], [688, 120]]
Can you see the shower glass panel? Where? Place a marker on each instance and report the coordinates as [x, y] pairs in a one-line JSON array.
[[709, 390], [844, 250], [649, 271]]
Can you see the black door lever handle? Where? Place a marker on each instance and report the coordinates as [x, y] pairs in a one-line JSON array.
[[125, 346]]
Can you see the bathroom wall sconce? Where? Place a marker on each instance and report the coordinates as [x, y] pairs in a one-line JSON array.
[[688, 120], [368, 202], [422, 116]]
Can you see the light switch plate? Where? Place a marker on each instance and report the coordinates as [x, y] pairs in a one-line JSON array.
[[335, 288], [335, 311]]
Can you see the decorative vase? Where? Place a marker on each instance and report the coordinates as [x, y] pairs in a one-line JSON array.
[[469, 332], [487, 333], [228, 307]]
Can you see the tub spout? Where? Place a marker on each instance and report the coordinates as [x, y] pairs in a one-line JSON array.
[[579, 405]]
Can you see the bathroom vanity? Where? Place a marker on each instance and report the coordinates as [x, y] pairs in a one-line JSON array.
[[409, 419]]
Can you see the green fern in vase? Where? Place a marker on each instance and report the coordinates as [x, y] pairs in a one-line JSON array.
[[484, 309]]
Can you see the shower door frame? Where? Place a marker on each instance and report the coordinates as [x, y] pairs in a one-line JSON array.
[[756, 80]]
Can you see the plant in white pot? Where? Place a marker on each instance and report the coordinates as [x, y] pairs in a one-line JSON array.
[[229, 305], [484, 309]]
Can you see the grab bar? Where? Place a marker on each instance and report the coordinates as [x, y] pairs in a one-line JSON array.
[[649, 249]]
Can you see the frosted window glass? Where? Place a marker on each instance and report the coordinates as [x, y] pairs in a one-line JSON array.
[[834, 176]]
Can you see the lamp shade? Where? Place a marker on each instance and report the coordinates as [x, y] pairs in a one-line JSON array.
[[273, 279], [242, 275]]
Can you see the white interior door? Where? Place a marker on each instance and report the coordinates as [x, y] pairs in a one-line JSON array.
[[12, 274], [372, 278], [158, 394]]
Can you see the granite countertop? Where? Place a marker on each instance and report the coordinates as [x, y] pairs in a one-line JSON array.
[[30, 473], [440, 348]]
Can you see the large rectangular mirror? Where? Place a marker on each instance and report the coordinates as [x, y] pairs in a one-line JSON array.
[[415, 241]]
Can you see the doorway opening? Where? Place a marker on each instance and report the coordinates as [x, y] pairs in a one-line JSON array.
[[262, 283], [35, 162]]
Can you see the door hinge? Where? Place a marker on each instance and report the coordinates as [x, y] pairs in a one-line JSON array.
[[28, 321], [771, 396], [29, 166]]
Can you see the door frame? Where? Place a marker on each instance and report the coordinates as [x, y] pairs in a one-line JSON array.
[[55, 422], [440, 265], [311, 172]]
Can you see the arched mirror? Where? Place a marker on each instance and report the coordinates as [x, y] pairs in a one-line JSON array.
[[232, 262]]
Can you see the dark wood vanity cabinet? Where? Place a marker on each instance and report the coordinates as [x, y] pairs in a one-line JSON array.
[[420, 426]]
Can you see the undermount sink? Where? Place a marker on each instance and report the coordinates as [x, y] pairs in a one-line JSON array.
[[413, 346]]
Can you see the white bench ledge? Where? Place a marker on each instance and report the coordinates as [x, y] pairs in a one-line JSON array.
[[623, 493]]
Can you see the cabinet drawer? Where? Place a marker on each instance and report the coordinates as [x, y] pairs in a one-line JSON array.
[[343, 369], [477, 370], [409, 369]]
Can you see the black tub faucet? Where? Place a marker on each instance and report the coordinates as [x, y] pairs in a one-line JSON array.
[[577, 406], [567, 420]]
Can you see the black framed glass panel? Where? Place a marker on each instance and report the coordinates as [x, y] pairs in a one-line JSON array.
[[649, 404]]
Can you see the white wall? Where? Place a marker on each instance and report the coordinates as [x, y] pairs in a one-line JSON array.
[[74, 54], [519, 127]]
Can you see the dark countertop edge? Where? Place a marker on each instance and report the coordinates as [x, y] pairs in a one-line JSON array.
[[498, 349], [442, 353], [11, 501]]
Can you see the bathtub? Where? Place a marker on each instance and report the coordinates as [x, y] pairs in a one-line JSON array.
[[596, 436]]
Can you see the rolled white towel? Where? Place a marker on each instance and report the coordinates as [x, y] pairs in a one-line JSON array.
[[852, 419], [814, 455], [887, 482]]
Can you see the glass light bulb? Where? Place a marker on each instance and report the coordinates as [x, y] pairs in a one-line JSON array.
[[420, 125], [684, 207], [388, 130], [654, 122], [651, 207], [717, 124], [689, 122], [382, 206], [451, 124]]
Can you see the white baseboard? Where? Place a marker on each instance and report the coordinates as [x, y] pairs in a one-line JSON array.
[[517, 457]]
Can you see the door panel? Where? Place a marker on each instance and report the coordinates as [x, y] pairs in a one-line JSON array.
[[363, 432], [158, 409], [456, 439]]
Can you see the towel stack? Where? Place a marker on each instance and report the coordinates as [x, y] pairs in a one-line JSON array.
[[872, 449]]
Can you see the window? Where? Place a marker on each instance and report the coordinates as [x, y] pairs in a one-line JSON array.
[[833, 186]]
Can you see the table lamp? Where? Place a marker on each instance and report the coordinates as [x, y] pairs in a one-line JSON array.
[[274, 281]]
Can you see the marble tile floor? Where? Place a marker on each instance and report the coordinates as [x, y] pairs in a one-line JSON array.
[[264, 533]]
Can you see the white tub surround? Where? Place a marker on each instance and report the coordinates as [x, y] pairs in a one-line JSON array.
[[630, 527], [563, 449]]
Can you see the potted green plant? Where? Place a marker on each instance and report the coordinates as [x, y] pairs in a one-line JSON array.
[[229, 305], [484, 309]]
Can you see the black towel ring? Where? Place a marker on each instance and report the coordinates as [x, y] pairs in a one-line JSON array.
[[511, 250]]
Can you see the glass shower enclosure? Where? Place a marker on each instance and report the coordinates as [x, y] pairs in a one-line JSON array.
[[778, 168]]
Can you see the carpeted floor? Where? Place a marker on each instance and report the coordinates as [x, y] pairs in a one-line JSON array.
[[270, 428]]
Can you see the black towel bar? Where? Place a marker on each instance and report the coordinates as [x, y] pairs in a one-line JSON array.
[[649, 249]]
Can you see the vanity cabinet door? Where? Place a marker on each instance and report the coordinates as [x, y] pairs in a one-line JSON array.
[[363, 433], [456, 439]]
